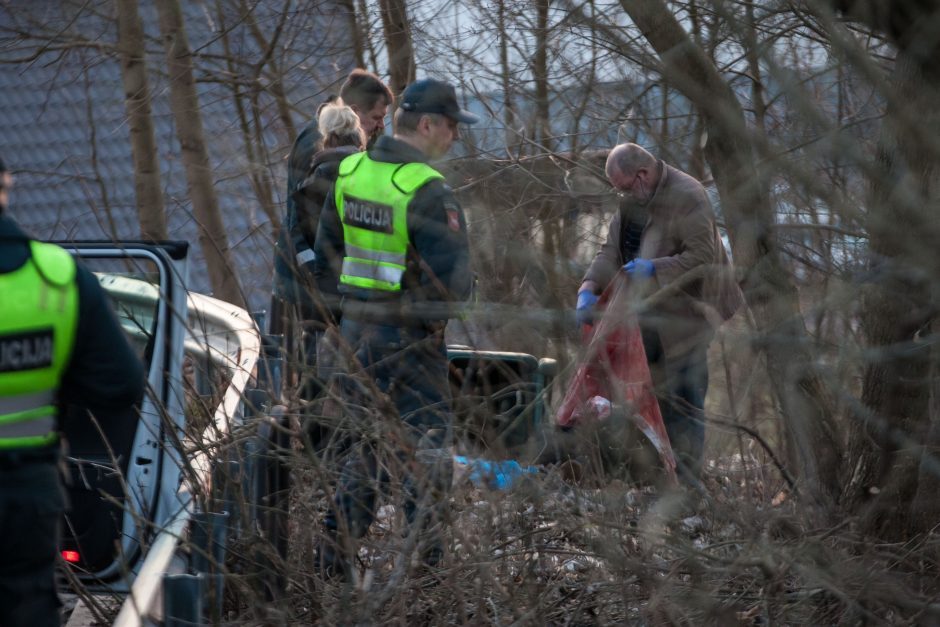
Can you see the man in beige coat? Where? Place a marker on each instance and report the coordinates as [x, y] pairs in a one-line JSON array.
[[664, 237]]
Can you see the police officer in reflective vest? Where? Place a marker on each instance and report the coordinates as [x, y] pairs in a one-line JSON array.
[[398, 239], [59, 342]]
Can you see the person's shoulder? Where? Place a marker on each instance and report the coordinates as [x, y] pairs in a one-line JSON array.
[[681, 180], [87, 282], [311, 129], [92, 298], [55, 264], [390, 149], [327, 161], [437, 202], [326, 171], [684, 187], [305, 143], [437, 192], [416, 178]]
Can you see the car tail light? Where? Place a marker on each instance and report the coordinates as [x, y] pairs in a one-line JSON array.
[[72, 557]]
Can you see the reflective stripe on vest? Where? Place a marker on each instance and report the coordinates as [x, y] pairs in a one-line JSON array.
[[362, 273], [41, 427], [38, 318], [24, 402], [372, 199]]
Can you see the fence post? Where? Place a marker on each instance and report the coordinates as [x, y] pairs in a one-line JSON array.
[[182, 600], [207, 558]]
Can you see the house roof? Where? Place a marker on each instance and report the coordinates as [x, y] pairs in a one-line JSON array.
[[66, 139]]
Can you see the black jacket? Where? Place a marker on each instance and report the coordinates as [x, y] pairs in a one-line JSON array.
[[439, 260], [104, 372], [309, 199], [288, 271], [312, 192]]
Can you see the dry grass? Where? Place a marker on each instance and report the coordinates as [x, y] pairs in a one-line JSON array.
[[549, 552]]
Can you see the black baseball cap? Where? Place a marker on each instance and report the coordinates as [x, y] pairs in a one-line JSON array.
[[433, 96]]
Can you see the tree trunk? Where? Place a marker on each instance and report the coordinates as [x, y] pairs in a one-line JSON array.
[[543, 133], [184, 103], [107, 224], [753, 65], [925, 508], [898, 306], [509, 115], [363, 11], [896, 472], [401, 57], [268, 59], [812, 446], [697, 158], [254, 150], [147, 188], [348, 8]]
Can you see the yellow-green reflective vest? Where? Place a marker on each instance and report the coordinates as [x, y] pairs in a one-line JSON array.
[[38, 318], [372, 199]]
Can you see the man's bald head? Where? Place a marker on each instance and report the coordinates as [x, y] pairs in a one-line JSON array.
[[628, 158], [633, 171]]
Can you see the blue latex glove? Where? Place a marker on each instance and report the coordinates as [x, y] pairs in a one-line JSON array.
[[640, 268], [494, 475], [585, 311]]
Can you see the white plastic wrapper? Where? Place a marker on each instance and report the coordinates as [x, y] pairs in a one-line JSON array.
[[600, 406]]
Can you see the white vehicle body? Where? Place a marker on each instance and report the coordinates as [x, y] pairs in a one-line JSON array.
[[151, 465]]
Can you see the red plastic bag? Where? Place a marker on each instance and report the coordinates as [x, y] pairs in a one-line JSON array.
[[614, 368]]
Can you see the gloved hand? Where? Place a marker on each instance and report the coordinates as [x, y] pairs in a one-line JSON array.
[[585, 311], [640, 268]]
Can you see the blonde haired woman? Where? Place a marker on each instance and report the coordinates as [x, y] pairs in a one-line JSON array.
[[341, 135]]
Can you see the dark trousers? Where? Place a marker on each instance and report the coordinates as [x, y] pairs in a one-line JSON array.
[[410, 367], [303, 329], [31, 505], [681, 385], [313, 383]]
